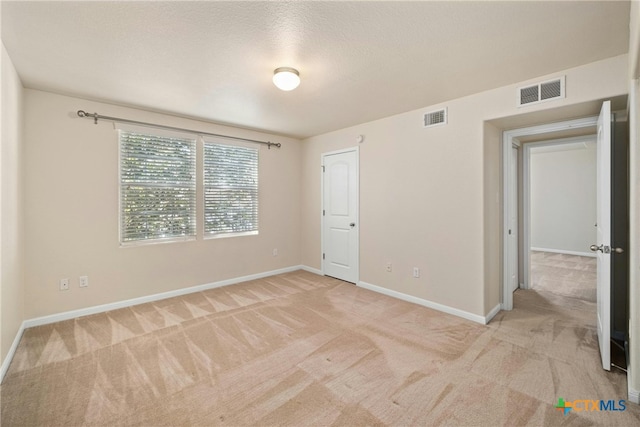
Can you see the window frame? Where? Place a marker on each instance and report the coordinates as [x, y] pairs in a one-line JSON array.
[[213, 235], [155, 132]]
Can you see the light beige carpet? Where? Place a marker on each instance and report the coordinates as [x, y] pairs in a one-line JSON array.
[[300, 349], [563, 274]]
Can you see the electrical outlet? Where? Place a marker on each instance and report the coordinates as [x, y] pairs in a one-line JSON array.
[[389, 267], [84, 281], [275, 251], [416, 272], [64, 284]]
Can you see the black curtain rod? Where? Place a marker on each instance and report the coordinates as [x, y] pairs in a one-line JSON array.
[[96, 116]]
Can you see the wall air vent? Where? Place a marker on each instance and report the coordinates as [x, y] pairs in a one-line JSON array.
[[434, 118], [540, 92]]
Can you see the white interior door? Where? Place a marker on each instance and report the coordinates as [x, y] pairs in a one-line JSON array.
[[513, 221], [603, 233], [340, 215]]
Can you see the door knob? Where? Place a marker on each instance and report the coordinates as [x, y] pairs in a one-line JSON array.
[[353, 224], [605, 249]]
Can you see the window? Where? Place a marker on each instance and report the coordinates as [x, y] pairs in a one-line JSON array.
[[230, 190], [157, 187]]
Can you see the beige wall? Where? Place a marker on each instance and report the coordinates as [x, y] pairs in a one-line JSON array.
[[71, 213], [492, 178], [11, 210], [563, 198], [427, 196]]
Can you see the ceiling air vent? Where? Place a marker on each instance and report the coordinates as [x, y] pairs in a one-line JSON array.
[[540, 92], [435, 118]]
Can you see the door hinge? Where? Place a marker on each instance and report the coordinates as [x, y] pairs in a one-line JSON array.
[[322, 256], [322, 212], [322, 168]]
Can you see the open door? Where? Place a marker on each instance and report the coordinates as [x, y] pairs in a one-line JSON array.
[[603, 234]]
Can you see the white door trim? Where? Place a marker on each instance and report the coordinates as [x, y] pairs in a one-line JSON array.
[[515, 227], [508, 139], [322, 247]]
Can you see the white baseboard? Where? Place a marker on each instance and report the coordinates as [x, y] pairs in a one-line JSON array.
[[44, 320], [634, 396], [562, 251], [430, 304], [312, 270], [12, 350]]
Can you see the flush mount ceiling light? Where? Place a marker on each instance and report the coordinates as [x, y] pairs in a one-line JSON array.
[[286, 78]]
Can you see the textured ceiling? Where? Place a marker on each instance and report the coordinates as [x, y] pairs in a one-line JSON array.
[[358, 61]]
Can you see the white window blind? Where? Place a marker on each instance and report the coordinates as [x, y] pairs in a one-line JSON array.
[[230, 189], [157, 187]]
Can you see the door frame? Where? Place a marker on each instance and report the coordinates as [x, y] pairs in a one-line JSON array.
[[517, 146], [510, 137], [322, 157]]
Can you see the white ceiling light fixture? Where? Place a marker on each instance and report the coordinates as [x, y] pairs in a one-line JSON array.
[[286, 78]]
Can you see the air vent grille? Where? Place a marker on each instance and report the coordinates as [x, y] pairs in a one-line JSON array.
[[434, 118], [550, 90], [529, 95], [543, 91]]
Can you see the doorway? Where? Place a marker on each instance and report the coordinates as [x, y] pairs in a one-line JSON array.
[[607, 238], [559, 192], [511, 190]]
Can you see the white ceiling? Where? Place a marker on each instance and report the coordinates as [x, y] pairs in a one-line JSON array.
[[358, 61]]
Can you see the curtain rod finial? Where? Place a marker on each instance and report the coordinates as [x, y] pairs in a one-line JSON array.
[[82, 113]]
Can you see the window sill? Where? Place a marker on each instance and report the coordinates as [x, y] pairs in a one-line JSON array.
[[148, 242], [226, 235]]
